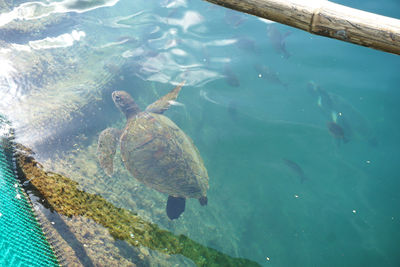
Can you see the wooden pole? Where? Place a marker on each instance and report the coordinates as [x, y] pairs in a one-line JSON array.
[[327, 19]]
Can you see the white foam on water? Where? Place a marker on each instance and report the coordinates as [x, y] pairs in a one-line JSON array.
[[190, 19], [178, 52], [223, 42], [204, 95], [175, 4], [118, 21], [110, 44], [134, 53], [37, 10], [63, 40]]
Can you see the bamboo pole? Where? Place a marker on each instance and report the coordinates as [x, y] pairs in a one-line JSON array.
[[327, 19]]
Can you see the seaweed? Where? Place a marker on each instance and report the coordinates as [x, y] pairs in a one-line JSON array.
[[64, 197]]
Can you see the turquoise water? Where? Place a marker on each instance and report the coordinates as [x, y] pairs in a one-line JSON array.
[[285, 189]]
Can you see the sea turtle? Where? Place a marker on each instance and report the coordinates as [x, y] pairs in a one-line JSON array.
[[156, 151]]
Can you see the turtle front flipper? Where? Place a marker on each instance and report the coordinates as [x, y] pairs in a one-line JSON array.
[[175, 207], [106, 148], [162, 104]]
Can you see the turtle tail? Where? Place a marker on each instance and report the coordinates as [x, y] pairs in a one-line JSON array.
[[175, 207]]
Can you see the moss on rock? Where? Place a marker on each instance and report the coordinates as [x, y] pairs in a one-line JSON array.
[[65, 198]]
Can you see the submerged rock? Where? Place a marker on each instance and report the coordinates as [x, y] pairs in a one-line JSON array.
[[64, 196]]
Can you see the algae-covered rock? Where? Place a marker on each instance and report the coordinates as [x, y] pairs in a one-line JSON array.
[[66, 199], [18, 32], [208, 226]]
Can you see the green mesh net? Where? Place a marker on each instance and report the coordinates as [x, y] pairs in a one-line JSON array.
[[22, 242]]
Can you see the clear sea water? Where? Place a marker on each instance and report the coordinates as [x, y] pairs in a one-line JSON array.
[[286, 189]]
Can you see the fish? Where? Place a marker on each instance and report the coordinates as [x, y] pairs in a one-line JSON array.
[[268, 74], [296, 169], [234, 18], [337, 109], [278, 40], [232, 110], [343, 122], [246, 44], [324, 99], [231, 77], [337, 131]]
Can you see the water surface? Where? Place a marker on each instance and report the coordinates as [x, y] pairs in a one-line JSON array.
[[251, 106]]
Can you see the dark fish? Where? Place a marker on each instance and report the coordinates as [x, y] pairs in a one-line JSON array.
[[246, 44], [234, 18], [343, 122], [337, 131], [296, 169], [373, 141], [231, 77], [269, 74], [340, 126], [232, 110], [344, 114], [325, 100], [278, 40]]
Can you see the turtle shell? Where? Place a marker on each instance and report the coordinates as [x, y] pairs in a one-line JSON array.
[[159, 154]]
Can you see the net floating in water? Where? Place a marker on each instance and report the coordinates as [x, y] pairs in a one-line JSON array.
[[22, 241]]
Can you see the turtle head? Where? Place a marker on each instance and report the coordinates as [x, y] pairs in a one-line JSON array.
[[125, 103]]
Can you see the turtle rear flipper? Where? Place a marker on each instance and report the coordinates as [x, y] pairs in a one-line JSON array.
[[175, 207], [106, 148], [203, 201], [163, 104]]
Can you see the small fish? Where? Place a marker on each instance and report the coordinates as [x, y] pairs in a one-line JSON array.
[[373, 141], [339, 110], [204, 95], [234, 18], [269, 74], [324, 100], [231, 77], [296, 169], [246, 44], [278, 40], [232, 110], [337, 131]]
